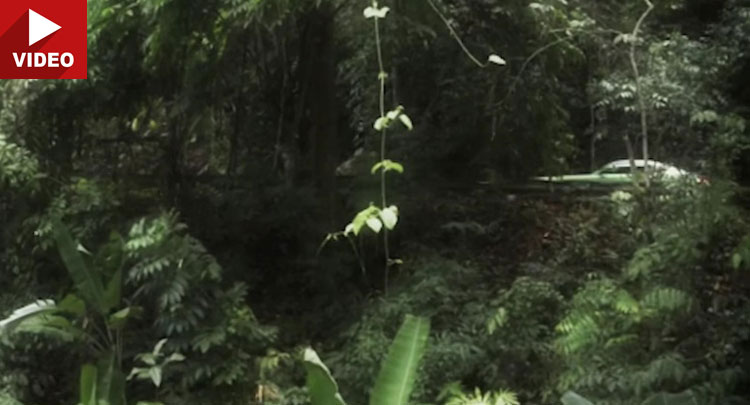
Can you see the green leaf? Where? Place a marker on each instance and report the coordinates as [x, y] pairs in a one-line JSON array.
[[387, 165], [664, 299], [372, 12], [52, 325], [83, 249], [148, 358], [24, 313], [374, 224], [110, 381], [496, 60], [360, 220], [498, 320], [137, 372], [113, 292], [320, 383], [155, 374], [87, 282], [625, 303], [381, 123], [87, 382], [159, 345], [118, 319], [73, 305], [406, 121], [702, 117], [389, 216], [174, 357], [396, 379], [571, 398]]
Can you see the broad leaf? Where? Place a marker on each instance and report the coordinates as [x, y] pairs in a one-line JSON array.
[[71, 304], [374, 224], [155, 374], [86, 281], [51, 325], [389, 216], [360, 220], [29, 311], [320, 383], [396, 379], [88, 385], [110, 381], [113, 292]]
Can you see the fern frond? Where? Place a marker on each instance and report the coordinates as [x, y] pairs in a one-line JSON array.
[[666, 299], [625, 303]]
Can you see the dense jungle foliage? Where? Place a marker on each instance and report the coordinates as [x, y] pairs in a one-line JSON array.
[[327, 202]]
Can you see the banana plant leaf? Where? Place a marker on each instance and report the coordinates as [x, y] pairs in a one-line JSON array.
[[24, 313], [399, 371], [320, 383], [87, 282]]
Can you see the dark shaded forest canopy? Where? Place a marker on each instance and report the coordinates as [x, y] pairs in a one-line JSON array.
[[247, 198]]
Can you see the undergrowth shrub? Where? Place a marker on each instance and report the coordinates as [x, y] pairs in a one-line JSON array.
[[33, 367], [459, 299], [180, 284], [631, 336]]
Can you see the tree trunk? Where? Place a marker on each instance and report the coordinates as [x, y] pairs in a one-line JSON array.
[[320, 107]]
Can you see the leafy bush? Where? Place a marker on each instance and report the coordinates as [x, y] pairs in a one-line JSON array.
[[179, 284], [630, 337], [459, 300], [395, 380]]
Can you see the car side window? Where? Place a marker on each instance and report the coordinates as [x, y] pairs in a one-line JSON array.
[[615, 170]]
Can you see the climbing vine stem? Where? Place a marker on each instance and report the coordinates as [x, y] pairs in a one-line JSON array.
[[383, 218], [382, 76]]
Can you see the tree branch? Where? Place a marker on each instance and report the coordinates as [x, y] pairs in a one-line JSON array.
[[456, 37]]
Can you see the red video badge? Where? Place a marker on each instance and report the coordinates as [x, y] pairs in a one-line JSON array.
[[43, 39]]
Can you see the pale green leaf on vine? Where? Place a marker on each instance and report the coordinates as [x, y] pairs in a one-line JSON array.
[[389, 217], [496, 59], [406, 121], [374, 224], [387, 165], [374, 12]]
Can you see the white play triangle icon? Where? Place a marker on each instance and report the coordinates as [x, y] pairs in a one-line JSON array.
[[40, 27]]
